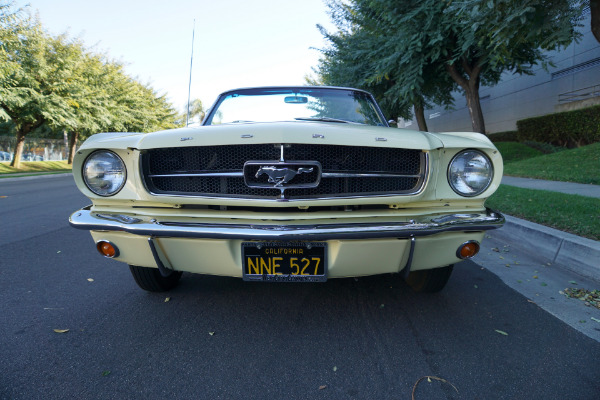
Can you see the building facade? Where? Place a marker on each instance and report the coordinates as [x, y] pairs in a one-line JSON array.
[[573, 82]]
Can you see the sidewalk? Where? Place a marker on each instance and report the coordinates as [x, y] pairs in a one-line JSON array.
[[553, 186], [573, 252]]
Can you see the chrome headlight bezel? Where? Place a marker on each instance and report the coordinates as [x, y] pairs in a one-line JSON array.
[[458, 174], [113, 164]]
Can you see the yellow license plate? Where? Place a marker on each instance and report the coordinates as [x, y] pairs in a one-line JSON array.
[[284, 261]]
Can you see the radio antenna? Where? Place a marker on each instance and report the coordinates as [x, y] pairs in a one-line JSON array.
[[187, 117]]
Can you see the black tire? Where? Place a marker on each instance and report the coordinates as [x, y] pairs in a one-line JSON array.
[[429, 280], [151, 279]]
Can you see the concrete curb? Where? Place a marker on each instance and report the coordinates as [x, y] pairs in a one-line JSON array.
[[572, 252], [24, 176]]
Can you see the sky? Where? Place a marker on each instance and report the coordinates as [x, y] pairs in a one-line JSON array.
[[237, 43]]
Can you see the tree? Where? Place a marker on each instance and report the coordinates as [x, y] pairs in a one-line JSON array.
[[31, 93], [53, 81], [472, 42], [360, 56], [107, 99], [197, 111]]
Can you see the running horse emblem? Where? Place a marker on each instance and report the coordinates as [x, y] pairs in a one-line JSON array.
[[279, 176]]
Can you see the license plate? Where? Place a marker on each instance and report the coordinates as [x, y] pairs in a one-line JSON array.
[[284, 261]]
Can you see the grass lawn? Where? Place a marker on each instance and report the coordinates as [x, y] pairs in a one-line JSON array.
[[514, 151], [570, 213], [581, 165], [34, 167]]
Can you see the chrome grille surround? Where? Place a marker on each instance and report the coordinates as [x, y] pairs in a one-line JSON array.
[[347, 171]]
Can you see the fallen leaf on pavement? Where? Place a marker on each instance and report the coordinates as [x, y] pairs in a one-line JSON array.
[[595, 319], [501, 332], [167, 299], [61, 330], [429, 378], [322, 387], [211, 333], [90, 280], [589, 297]]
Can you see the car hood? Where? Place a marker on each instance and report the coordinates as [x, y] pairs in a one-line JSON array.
[[289, 132]]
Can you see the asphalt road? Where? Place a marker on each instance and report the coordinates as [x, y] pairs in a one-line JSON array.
[[221, 338]]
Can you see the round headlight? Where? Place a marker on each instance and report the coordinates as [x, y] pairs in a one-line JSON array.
[[104, 173], [470, 173]]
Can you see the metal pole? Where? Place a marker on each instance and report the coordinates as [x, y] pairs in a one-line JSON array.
[[187, 117]]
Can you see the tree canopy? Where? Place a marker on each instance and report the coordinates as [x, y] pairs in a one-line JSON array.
[[419, 52], [56, 82]]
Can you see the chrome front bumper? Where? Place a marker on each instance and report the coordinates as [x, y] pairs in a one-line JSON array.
[[420, 226]]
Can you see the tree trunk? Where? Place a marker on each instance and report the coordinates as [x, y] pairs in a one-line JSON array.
[[474, 105], [420, 115], [16, 161], [22, 131], [595, 11], [471, 88], [73, 136]]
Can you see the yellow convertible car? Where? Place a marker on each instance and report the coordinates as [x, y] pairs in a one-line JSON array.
[[288, 184]]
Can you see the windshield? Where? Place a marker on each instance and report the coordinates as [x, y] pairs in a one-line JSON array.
[[295, 104]]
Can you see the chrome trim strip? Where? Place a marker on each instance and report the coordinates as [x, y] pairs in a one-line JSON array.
[[423, 226], [119, 218], [324, 174], [201, 174], [366, 175]]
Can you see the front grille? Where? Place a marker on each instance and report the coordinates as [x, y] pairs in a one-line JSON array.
[[218, 171]]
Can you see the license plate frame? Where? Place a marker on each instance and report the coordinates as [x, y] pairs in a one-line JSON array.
[[284, 261]]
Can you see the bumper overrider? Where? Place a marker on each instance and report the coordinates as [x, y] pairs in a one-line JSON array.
[[419, 226]]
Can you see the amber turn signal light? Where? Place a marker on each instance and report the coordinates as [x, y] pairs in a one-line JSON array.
[[468, 249], [107, 249]]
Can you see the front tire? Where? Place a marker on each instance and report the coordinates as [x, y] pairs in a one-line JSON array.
[[152, 280], [429, 280]]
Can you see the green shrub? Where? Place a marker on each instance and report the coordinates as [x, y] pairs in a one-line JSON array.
[[506, 136], [567, 129]]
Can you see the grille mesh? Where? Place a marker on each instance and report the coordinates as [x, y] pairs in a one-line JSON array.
[[333, 158]]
